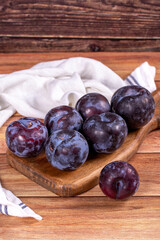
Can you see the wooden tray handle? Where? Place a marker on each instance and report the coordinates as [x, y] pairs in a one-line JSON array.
[[156, 118]]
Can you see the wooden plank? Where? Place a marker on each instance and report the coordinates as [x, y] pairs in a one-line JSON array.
[[86, 218], [122, 63], [147, 166], [11, 44], [79, 26], [100, 19]]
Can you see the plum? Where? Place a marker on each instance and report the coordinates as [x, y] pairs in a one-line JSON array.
[[66, 149], [63, 117], [119, 180], [105, 132], [26, 137], [135, 104], [92, 103]]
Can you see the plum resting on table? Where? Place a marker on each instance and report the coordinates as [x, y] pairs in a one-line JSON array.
[[119, 180], [135, 104], [63, 117], [66, 149], [105, 132], [92, 103], [26, 137]]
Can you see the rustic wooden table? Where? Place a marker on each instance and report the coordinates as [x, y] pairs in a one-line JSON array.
[[90, 215]]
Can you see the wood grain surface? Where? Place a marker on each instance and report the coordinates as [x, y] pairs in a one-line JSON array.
[[90, 215], [67, 25]]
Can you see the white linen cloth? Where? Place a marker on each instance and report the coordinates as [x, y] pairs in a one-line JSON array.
[[11, 205], [33, 92]]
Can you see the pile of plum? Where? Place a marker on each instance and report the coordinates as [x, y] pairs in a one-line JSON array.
[[69, 134]]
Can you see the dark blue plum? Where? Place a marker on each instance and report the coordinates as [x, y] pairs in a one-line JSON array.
[[66, 149], [63, 117], [135, 104], [119, 180], [105, 132], [92, 103], [26, 137]]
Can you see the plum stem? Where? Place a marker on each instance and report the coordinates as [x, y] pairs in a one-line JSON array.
[[119, 187], [29, 125]]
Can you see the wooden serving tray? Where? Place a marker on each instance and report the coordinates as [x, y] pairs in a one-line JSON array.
[[71, 183]]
